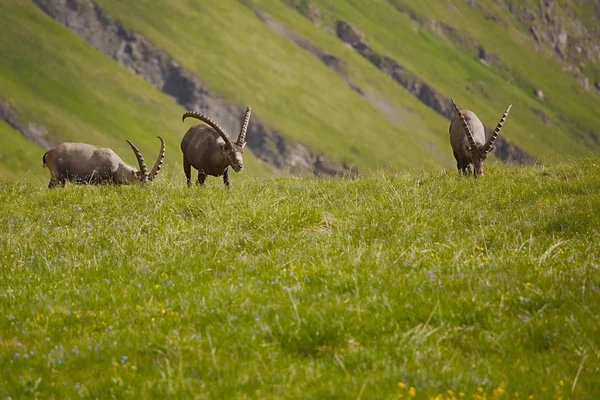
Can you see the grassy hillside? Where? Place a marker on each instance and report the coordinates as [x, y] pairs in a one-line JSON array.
[[282, 77], [52, 77], [394, 284], [249, 63]]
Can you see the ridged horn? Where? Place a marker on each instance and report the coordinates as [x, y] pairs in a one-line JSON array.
[[465, 126], [159, 161], [140, 159], [242, 137], [492, 139], [209, 122]]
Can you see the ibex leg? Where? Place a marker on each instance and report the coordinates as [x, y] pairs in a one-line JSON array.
[[201, 178], [226, 177], [187, 169]]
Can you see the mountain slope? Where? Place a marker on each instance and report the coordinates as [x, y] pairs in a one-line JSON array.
[[305, 83], [246, 61], [53, 78], [216, 51]]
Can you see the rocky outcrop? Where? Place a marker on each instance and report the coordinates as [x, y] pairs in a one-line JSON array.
[[34, 132], [427, 94], [138, 54], [566, 28], [338, 65]]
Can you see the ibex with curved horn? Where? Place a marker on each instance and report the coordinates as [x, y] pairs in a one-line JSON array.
[[210, 150], [467, 137], [84, 163]]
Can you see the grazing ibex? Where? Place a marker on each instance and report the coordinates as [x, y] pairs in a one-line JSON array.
[[210, 150], [83, 163], [467, 136]]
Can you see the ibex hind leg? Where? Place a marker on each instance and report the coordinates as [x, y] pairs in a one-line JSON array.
[[201, 178], [457, 161], [187, 169], [226, 178], [56, 182]]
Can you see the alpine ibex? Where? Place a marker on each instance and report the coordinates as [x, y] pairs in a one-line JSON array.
[[467, 137], [83, 163], [210, 150]]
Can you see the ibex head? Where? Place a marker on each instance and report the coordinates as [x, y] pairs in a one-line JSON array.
[[479, 152], [142, 174], [233, 151]]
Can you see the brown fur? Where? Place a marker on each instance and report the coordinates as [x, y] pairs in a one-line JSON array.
[[471, 150], [210, 150], [84, 163]]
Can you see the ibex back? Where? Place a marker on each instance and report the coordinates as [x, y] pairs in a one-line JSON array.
[[84, 163]]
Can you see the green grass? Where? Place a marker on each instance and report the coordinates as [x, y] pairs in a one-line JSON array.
[[305, 288], [52, 77]]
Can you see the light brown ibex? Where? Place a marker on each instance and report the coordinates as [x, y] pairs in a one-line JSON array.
[[210, 150], [467, 137], [84, 163]]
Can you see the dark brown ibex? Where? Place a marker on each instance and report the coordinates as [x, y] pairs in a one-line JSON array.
[[467, 137], [83, 163], [210, 150]]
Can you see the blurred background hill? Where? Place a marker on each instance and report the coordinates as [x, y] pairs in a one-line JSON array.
[[335, 87]]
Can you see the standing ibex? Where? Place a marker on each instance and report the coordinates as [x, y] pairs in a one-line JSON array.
[[210, 150], [467, 136], [83, 163]]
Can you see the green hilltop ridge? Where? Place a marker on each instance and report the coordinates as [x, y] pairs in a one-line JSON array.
[[53, 78]]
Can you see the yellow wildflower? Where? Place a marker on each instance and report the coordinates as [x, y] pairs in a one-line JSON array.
[[401, 385], [561, 383], [412, 392]]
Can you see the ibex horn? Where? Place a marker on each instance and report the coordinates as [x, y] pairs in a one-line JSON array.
[[140, 160], [465, 126], [159, 160], [210, 123], [492, 139], [242, 137]]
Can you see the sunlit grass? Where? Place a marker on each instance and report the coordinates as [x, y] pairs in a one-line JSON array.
[[385, 286]]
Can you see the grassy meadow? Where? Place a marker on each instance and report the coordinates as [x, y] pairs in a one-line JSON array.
[[391, 285]]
